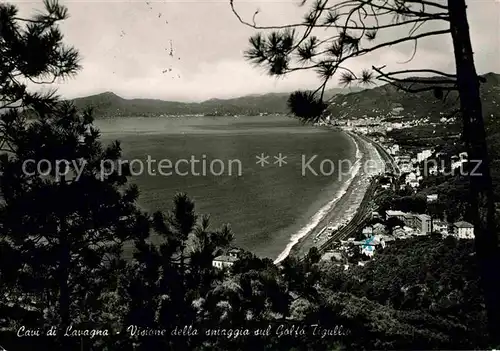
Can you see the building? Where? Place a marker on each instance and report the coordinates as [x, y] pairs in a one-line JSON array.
[[368, 231], [409, 220], [399, 232], [223, 261], [423, 224], [398, 214], [432, 197], [463, 230]]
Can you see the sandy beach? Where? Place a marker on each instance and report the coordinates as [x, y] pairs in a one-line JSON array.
[[344, 203]]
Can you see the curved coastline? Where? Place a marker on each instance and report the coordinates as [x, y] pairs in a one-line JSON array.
[[344, 204]]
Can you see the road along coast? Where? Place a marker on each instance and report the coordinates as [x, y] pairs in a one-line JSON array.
[[349, 206]]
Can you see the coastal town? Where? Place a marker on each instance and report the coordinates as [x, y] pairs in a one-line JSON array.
[[413, 166], [355, 240]]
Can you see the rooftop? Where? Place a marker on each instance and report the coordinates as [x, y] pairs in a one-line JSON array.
[[423, 217], [394, 213], [463, 224], [224, 258]]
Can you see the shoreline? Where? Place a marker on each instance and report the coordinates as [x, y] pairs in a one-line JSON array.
[[343, 208]]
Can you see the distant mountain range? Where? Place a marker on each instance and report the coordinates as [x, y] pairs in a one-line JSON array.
[[345, 103], [383, 100], [109, 104]]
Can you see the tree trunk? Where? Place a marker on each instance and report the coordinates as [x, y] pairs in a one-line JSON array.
[[63, 279], [482, 203], [64, 295]]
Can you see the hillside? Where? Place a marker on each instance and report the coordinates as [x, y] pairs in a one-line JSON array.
[[109, 104], [352, 102], [380, 101]]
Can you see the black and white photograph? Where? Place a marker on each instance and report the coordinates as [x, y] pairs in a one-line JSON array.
[[296, 175]]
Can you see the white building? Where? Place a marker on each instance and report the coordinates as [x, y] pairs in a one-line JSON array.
[[423, 224], [228, 260], [463, 230], [399, 232], [368, 231], [424, 155], [432, 197], [223, 261], [398, 214]]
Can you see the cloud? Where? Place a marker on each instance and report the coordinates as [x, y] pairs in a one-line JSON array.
[[126, 48]]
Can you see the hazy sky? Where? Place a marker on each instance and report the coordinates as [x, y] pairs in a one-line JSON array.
[[125, 47]]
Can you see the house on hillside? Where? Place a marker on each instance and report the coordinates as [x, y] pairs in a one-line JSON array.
[[223, 261], [432, 197], [463, 230], [423, 224], [398, 214], [227, 260], [367, 231], [409, 220], [399, 233]]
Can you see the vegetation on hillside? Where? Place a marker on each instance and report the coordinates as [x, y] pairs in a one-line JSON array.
[[111, 105], [358, 28]]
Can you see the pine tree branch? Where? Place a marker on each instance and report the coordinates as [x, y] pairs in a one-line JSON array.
[[431, 17]]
